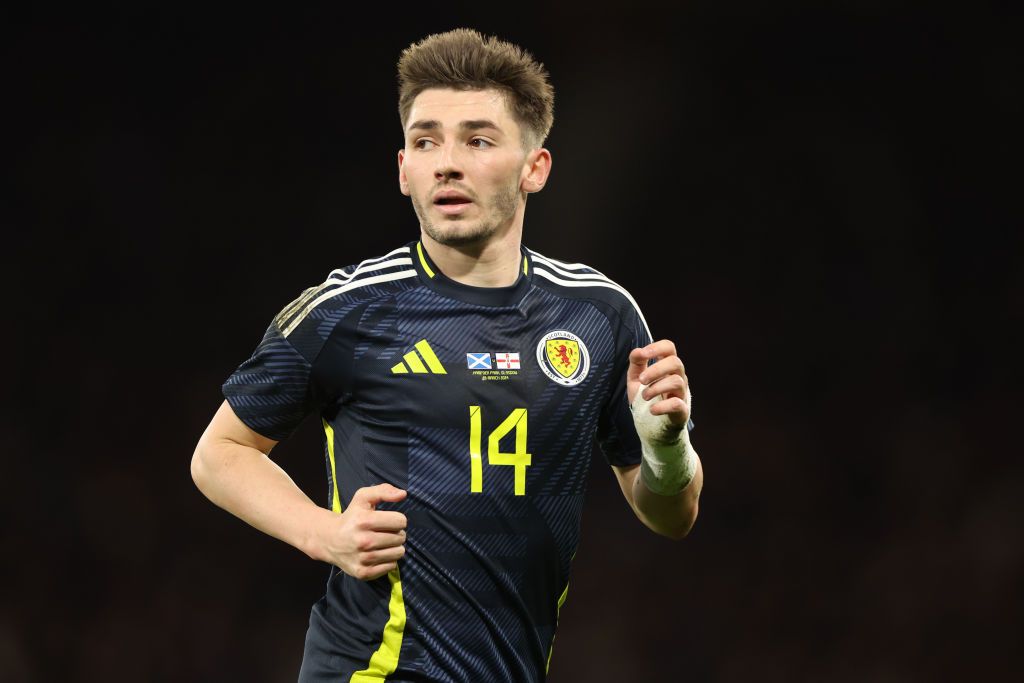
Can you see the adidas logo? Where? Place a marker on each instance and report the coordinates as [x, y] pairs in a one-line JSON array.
[[414, 363]]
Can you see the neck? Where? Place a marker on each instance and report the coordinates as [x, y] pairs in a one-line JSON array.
[[491, 264]]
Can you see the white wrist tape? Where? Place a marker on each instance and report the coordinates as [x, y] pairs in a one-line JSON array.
[[669, 462]]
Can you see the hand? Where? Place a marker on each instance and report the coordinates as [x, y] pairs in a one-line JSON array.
[[364, 542], [666, 377]]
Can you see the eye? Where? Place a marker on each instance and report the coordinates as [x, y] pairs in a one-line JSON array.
[[423, 143], [480, 143]]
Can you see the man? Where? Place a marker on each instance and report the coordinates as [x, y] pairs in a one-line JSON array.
[[460, 380]]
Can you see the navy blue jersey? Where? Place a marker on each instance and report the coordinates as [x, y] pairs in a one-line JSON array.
[[483, 403]]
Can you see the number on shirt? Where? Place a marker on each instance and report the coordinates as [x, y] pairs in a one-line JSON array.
[[520, 459]]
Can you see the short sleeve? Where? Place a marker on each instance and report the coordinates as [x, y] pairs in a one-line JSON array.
[[616, 433], [271, 391]]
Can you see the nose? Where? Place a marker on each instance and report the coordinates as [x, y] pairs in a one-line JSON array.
[[448, 167]]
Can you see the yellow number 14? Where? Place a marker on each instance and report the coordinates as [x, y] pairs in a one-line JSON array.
[[520, 459]]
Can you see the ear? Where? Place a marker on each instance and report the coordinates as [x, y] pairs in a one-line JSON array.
[[403, 183], [536, 169]]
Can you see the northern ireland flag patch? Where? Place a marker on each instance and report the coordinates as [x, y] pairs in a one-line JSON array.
[[507, 361]]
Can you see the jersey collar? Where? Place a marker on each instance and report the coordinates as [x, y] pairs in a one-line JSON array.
[[432, 276]]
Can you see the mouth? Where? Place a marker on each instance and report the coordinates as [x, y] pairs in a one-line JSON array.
[[450, 202]]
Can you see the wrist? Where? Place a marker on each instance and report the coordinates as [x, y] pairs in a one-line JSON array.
[[314, 541], [668, 462], [668, 467]]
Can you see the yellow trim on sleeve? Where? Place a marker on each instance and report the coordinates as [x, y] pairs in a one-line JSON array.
[[423, 260], [384, 661], [335, 500]]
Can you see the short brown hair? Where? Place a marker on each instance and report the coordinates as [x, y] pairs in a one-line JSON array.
[[463, 59]]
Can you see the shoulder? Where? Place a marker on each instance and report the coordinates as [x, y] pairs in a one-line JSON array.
[[349, 286], [580, 281]]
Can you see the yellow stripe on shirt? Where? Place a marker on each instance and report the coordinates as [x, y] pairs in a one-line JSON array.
[[384, 661], [335, 500]]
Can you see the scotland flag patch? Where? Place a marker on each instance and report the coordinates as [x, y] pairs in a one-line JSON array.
[[478, 361]]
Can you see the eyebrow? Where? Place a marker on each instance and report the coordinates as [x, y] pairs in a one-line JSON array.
[[475, 124]]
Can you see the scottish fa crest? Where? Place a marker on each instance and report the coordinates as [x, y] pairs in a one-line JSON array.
[[563, 357]]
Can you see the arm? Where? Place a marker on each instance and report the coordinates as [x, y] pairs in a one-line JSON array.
[[671, 513], [230, 466], [671, 516]]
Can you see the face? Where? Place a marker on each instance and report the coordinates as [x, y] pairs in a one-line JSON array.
[[464, 166]]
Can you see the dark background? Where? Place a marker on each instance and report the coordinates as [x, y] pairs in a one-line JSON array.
[[814, 202]]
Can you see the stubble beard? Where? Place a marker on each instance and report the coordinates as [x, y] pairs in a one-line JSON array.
[[455, 232]]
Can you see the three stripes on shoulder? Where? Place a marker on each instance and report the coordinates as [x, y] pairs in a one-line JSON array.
[[558, 272], [339, 282]]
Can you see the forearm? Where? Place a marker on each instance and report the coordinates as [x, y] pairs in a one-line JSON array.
[[666, 486], [251, 486], [671, 516]]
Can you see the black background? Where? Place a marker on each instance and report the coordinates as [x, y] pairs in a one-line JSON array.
[[814, 202]]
